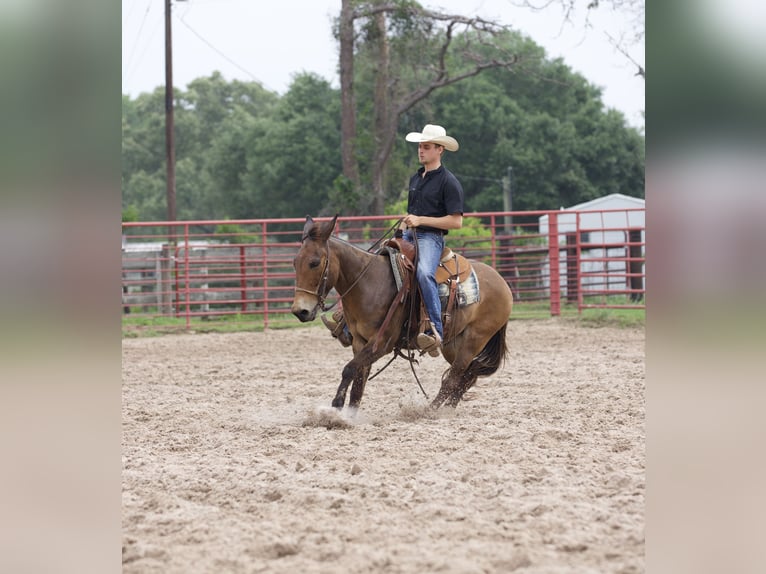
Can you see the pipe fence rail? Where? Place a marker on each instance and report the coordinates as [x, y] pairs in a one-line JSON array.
[[186, 274]]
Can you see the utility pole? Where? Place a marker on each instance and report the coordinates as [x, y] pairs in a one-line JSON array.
[[170, 151], [508, 201]]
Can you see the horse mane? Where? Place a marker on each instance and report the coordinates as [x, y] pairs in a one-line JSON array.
[[315, 233]]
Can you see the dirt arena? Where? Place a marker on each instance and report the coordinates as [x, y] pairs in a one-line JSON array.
[[233, 462]]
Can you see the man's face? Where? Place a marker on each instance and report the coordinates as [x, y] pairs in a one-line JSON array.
[[429, 153]]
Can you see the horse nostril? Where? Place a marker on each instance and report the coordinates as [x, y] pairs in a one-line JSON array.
[[302, 314]]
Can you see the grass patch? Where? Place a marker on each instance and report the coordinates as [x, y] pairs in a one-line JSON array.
[[153, 326], [589, 317], [157, 325], [617, 317]]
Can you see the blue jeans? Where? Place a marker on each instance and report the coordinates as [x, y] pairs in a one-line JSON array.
[[430, 246]]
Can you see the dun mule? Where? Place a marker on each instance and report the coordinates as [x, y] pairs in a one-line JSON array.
[[475, 346]]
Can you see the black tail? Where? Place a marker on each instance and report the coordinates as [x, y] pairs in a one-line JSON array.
[[491, 357]]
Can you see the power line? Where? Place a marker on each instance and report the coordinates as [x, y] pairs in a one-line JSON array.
[[146, 46], [138, 34], [130, 10], [224, 56]]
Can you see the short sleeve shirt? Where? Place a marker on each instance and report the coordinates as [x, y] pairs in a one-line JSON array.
[[437, 194]]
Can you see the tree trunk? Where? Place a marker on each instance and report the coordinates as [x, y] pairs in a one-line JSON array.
[[382, 115], [388, 108], [348, 103]]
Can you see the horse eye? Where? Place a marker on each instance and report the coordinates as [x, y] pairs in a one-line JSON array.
[[314, 263]]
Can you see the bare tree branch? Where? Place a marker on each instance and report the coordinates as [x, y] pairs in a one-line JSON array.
[[619, 47], [444, 80], [388, 106], [634, 11]]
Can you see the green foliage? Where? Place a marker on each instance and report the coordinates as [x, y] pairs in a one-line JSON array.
[[398, 208], [526, 238], [235, 234], [547, 123], [467, 237], [470, 236], [293, 158], [129, 214], [342, 196], [243, 152]]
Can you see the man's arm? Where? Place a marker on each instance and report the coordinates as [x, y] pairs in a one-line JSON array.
[[452, 221]]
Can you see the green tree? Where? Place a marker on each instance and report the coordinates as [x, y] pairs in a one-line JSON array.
[[407, 53], [293, 157], [545, 122], [211, 122], [244, 152]]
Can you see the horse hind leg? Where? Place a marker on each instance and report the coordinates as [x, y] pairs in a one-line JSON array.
[[454, 386], [461, 376], [466, 382]]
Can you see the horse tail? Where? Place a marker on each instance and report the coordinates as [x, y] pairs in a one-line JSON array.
[[491, 357]]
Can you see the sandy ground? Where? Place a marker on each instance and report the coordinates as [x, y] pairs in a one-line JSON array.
[[233, 462]]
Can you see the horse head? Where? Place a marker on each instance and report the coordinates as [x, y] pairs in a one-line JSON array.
[[312, 269]]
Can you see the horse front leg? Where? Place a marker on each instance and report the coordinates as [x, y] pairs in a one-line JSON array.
[[347, 376], [356, 371], [357, 388]]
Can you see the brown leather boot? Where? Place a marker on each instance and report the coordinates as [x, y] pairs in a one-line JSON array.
[[429, 343], [337, 326]]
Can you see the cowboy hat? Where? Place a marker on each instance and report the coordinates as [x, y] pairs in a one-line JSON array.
[[434, 134]]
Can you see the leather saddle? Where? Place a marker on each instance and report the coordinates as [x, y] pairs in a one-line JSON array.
[[452, 266], [453, 269]]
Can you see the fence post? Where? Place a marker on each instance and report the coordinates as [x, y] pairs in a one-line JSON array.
[[187, 277], [553, 265], [635, 264], [166, 289], [265, 264], [242, 278], [573, 262], [203, 271]]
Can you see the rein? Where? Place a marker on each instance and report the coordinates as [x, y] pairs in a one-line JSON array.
[[410, 356], [322, 286], [321, 292]]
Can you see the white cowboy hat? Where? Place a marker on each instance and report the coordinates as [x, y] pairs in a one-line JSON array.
[[434, 134]]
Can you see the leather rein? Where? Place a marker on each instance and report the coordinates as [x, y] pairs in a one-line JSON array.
[[322, 290]]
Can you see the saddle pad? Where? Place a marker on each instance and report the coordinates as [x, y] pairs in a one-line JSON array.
[[395, 257], [467, 291]]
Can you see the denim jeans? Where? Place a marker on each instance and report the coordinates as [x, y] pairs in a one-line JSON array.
[[430, 246]]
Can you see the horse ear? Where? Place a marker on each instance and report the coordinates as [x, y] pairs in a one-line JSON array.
[[308, 225], [328, 228]]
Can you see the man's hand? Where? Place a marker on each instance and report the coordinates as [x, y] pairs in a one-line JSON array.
[[412, 220]]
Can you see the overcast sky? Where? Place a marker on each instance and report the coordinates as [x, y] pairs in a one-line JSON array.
[[271, 41]]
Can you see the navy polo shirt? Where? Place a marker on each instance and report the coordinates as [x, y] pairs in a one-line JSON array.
[[437, 194]]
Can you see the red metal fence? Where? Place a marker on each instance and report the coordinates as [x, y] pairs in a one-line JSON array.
[[192, 272]]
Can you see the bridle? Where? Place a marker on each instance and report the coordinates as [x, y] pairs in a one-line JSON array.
[[321, 291]]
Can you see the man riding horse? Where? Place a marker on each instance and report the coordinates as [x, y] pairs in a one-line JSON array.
[[434, 206]]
